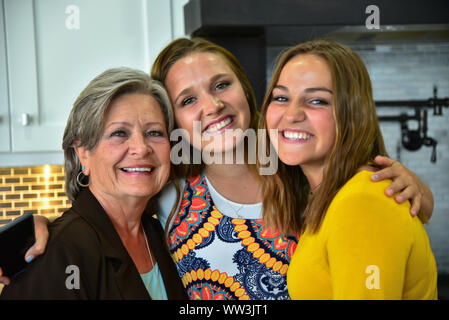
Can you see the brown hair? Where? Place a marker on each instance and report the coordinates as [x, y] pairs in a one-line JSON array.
[[288, 204], [181, 48]]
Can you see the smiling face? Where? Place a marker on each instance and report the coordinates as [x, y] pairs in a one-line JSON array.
[[204, 88], [301, 110], [132, 158]]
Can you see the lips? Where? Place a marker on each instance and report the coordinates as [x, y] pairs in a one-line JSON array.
[[137, 169], [219, 125]]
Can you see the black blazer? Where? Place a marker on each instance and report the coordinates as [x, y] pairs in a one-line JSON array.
[[85, 237]]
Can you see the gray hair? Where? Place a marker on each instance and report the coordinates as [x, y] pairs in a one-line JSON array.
[[85, 122]]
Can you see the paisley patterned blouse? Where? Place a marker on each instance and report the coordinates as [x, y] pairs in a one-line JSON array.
[[221, 257]]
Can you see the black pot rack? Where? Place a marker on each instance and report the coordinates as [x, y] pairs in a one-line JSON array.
[[414, 139]]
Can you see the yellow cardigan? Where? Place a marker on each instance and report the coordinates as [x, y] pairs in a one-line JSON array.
[[368, 247]]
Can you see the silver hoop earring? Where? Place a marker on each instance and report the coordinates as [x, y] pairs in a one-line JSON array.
[[78, 180]]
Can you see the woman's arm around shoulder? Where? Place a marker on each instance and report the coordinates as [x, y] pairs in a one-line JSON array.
[[65, 270], [368, 239], [405, 186]]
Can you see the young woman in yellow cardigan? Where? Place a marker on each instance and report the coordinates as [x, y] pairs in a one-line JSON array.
[[355, 243]]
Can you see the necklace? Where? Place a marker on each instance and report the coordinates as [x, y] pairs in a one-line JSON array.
[[148, 247], [236, 211], [312, 190]]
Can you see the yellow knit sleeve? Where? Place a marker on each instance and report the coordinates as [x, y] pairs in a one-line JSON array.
[[368, 238]]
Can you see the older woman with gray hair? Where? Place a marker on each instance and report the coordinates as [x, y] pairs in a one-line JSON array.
[[117, 157]]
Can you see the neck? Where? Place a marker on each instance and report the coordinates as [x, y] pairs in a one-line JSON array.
[[235, 182], [125, 214], [236, 156], [227, 171], [314, 176]]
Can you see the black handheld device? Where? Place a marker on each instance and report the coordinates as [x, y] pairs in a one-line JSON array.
[[15, 239]]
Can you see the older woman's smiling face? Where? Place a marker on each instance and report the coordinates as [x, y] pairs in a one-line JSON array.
[[132, 158]]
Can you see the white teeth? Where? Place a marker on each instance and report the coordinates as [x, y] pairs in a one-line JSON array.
[[296, 135], [219, 125], [137, 169]]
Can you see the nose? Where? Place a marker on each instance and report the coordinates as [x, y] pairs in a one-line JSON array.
[[295, 113], [213, 105], [138, 146]]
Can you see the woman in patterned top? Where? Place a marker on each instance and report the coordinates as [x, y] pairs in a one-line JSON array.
[[216, 237], [213, 213]]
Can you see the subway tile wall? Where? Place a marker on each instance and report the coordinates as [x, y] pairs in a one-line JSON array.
[[38, 190], [408, 71]]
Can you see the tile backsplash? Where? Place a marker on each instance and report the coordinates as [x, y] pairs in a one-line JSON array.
[[38, 190]]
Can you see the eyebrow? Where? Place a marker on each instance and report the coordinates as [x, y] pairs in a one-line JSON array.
[[127, 124], [182, 93], [308, 90], [218, 76], [213, 79]]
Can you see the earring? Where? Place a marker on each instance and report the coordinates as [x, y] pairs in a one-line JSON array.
[[78, 178]]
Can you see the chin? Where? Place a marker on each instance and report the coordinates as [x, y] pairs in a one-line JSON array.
[[140, 192], [290, 160], [221, 145]]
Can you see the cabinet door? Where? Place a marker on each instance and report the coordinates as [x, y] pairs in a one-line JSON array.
[[55, 47], [4, 109]]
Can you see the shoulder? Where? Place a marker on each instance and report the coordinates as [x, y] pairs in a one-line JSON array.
[[361, 191], [166, 199], [363, 222], [69, 225], [72, 234], [363, 202]]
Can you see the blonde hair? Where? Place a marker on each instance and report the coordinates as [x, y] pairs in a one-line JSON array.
[[288, 204], [85, 122]]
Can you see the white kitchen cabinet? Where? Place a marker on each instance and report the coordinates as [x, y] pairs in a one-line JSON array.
[[4, 107], [55, 47]]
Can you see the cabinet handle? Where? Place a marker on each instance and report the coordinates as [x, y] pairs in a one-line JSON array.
[[25, 119]]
